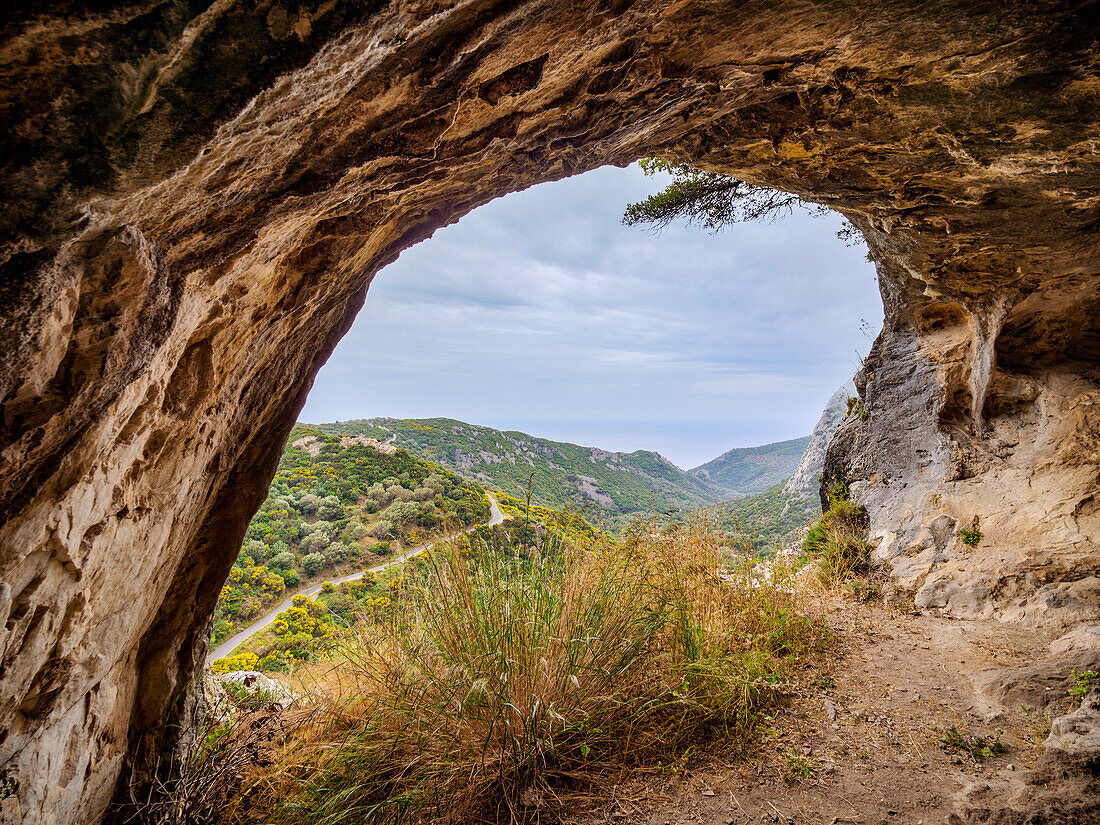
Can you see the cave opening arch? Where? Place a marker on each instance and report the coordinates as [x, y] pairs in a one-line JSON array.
[[543, 312], [181, 263]]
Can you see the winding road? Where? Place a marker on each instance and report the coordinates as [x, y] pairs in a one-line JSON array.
[[226, 647]]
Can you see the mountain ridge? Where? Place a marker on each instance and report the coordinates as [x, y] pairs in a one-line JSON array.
[[745, 471], [614, 484]]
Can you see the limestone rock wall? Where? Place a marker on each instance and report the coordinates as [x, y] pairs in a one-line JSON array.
[[195, 197], [805, 480], [984, 412]]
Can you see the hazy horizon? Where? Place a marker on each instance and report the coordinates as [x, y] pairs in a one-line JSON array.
[[540, 312]]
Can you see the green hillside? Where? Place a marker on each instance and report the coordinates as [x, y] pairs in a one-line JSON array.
[[769, 519], [337, 505], [601, 484], [745, 471]]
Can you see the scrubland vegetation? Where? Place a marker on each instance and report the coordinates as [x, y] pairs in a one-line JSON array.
[[768, 520], [518, 667], [342, 509]]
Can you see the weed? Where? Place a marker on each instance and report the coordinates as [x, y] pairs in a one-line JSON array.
[[970, 536], [856, 407], [246, 698], [862, 591], [1041, 728], [1082, 679], [837, 540], [8, 785], [800, 766], [980, 747]]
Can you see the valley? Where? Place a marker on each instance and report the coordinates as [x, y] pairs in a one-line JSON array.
[[603, 486], [352, 492]]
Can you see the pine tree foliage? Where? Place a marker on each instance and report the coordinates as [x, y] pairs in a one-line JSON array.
[[714, 201]]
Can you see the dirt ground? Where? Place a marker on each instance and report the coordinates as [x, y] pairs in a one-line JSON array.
[[863, 744]]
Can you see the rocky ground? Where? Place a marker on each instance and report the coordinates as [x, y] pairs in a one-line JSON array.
[[865, 744]]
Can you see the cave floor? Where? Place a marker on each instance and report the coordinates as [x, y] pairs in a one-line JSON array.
[[864, 746]]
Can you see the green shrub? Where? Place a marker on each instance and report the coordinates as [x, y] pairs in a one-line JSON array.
[[1081, 679], [856, 407], [256, 550], [980, 747], [313, 564], [971, 536], [283, 561], [307, 505], [402, 512], [330, 509], [837, 542]]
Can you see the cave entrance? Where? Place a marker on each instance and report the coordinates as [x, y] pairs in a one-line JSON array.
[[200, 204]]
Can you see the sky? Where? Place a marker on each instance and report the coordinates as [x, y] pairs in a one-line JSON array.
[[541, 312]]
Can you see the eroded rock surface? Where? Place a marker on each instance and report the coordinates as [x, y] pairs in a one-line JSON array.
[[806, 478], [196, 197]]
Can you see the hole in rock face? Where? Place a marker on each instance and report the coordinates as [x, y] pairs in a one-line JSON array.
[[1039, 336], [940, 316]]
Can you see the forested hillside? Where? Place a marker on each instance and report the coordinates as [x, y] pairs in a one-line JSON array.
[[769, 519], [308, 627], [604, 485], [744, 471], [335, 505]]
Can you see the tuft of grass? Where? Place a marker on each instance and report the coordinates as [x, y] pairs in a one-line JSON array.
[[800, 766], [837, 542], [862, 591], [507, 674], [980, 747], [1040, 728], [856, 406]]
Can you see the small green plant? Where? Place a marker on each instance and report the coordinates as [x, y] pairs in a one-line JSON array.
[[1082, 679], [856, 407], [980, 747], [8, 785], [247, 699], [862, 591], [970, 536], [837, 541], [800, 766], [1040, 727]]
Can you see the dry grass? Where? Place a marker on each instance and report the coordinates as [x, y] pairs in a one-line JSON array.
[[509, 680], [838, 541]]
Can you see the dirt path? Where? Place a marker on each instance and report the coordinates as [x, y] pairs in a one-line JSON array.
[[241, 636], [863, 746]]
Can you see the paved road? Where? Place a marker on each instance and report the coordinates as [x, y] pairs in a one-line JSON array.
[[226, 647]]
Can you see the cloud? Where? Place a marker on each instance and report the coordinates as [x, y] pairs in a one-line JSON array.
[[540, 311]]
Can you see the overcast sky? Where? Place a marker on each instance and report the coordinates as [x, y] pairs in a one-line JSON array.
[[540, 312]]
